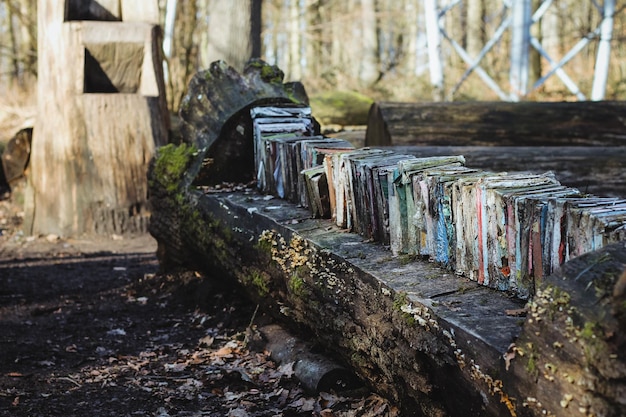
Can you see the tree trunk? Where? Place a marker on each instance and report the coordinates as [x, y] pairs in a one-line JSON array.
[[295, 41], [101, 113], [496, 123], [475, 27], [230, 32]]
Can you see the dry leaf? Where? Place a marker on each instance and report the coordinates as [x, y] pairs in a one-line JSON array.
[[238, 412], [175, 367], [286, 369], [206, 341]]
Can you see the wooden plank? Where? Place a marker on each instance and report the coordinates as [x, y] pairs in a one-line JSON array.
[[497, 124]]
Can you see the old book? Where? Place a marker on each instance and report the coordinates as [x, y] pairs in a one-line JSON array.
[[317, 190], [401, 196], [311, 153]]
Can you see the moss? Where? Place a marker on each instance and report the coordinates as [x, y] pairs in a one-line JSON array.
[[341, 107], [588, 331], [264, 245], [170, 165], [531, 365], [272, 74], [401, 299], [260, 282], [297, 286], [407, 259]]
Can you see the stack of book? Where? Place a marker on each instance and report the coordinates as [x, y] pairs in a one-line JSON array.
[[503, 230]]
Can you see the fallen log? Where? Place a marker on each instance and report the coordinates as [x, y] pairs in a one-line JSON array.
[[497, 124], [434, 342], [316, 372]]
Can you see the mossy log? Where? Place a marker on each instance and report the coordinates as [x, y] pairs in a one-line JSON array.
[[497, 124], [571, 356], [435, 343]]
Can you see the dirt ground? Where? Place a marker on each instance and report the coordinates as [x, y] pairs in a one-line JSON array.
[[89, 327]]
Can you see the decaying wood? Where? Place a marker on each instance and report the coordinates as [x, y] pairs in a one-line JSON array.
[[16, 155], [438, 344], [497, 124], [98, 125], [216, 119], [570, 358], [315, 371]]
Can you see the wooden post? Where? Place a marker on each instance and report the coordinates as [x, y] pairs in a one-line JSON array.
[[101, 113]]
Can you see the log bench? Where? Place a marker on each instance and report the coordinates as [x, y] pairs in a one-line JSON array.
[[437, 343]]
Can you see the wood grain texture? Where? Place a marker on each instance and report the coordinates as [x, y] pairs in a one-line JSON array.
[[497, 124]]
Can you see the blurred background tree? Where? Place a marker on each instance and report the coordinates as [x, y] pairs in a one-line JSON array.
[[374, 47]]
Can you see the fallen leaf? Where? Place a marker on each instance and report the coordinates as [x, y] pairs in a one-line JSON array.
[[206, 341], [116, 332], [224, 351], [286, 369], [231, 396], [175, 367], [304, 404], [238, 412], [516, 312]]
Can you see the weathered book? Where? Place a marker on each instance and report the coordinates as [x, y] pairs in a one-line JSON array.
[[431, 227], [592, 223], [269, 124], [511, 251], [357, 184], [342, 176], [317, 190], [286, 148], [485, 198], [401, 199], [311, 153], [366, 207]]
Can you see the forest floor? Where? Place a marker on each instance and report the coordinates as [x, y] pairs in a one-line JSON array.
[[90, 327]]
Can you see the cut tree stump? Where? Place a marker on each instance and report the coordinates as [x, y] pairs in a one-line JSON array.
[[497, 124], [437, 344], [101, 114]]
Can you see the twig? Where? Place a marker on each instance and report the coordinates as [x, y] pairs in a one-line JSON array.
[[253, 316], [68, 379]]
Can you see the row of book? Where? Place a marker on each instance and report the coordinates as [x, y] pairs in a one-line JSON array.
[[503, 230]]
